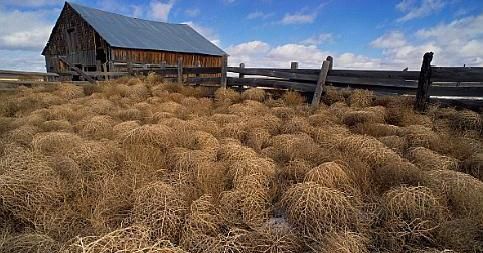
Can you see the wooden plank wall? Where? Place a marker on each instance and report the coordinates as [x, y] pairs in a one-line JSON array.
[[171, 58]]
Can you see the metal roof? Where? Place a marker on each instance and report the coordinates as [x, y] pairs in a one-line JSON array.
[[126, 32]]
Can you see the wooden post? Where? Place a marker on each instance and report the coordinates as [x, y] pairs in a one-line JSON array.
[[198, 65], [162, 66], [320, 84], [330, 59], [242, 66], [422, 94], [130, 68], [224, 66], [294, 65], [180, 70]]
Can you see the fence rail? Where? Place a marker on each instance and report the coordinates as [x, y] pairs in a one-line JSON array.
[[441, 81]]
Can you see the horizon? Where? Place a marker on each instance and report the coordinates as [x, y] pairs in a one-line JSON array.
[[264, 33]]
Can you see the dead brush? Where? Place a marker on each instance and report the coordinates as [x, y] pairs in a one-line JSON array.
[[378, 129], [474, 165], [369, 149], [29, 243], [131, 114], [232, 153], [464, 192], [161, 208], [295, 146], [268, 122], [421, 136], [186, 160], [223, 119], [263, 170], [54, 143], [293, 98], [258, 138], [134, 239], [333, 95], [100, 105], [255, 94], [352, 118], [156, 135], [397, 173], [296, 125], [248, 108], [361, 98], [283, 112], [332, 175], [197, 140], [467, 120], [314, 210], [123, 128], [25, 193], [22, 135], [97, 158], [211, 178], [427, 159], [412, 213], [460, 234], [56, 126], [275, 236], [97, 127], [226, 95], [69, 91], [247, 204], [343, 242], [396, 143]]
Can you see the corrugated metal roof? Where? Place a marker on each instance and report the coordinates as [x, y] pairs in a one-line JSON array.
[[127, 32]]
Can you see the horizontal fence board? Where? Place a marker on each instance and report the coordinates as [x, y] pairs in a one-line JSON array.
[[456, 74], [271, 83], [25, 73]]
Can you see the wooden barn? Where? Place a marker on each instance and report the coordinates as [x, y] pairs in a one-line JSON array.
[[95, 40]]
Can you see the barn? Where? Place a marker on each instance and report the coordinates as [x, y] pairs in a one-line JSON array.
[[99, 41]]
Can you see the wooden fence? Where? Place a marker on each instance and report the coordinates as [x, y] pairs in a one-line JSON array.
[[430, 81]]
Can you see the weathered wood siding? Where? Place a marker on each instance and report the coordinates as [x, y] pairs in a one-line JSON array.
[[156, 57], [73, 38]]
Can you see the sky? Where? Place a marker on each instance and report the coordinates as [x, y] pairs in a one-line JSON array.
[[359, 34]]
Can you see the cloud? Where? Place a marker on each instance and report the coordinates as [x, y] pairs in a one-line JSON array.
[[192, 12], [414, 9], [456, 43], [22, 60], [31, 3], [304, 16], [261, 54], [259, 15], [27, 30], [319, 39], [159, 10], [207, 32], [392, 39]]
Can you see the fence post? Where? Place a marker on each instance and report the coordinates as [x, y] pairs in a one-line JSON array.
[[180, 70], [294, 65], [424, 82], [320, 84], [242, 66], [330, 59], [198, 65], [130, 68], [162, 67], [224, 65]]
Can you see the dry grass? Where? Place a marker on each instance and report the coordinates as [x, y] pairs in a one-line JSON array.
[[314, 209], [138, 165]]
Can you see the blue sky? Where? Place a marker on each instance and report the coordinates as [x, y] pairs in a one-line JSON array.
[[359, 34]]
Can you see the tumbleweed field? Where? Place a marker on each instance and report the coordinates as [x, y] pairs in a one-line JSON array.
[[137, 165]]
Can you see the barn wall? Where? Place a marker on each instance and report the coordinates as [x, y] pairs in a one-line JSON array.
[[156, 57], [73, 38]]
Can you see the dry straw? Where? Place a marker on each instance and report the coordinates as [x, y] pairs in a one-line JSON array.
[[314, 209], [331, 175], [427, 159], [161, 208], [254, 94], [55, 143], [343, 242]]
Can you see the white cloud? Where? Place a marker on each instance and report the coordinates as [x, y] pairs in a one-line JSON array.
[[261, 54], [22, 60], [392, 39], [414, 9], [31, 3], [298, 18], [319, 39], [159, 10], [259, 15], [207, 32], [28, 30], [456, 43], [192, 12]]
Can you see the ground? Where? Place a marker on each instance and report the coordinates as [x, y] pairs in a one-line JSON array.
[[137, 165]]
